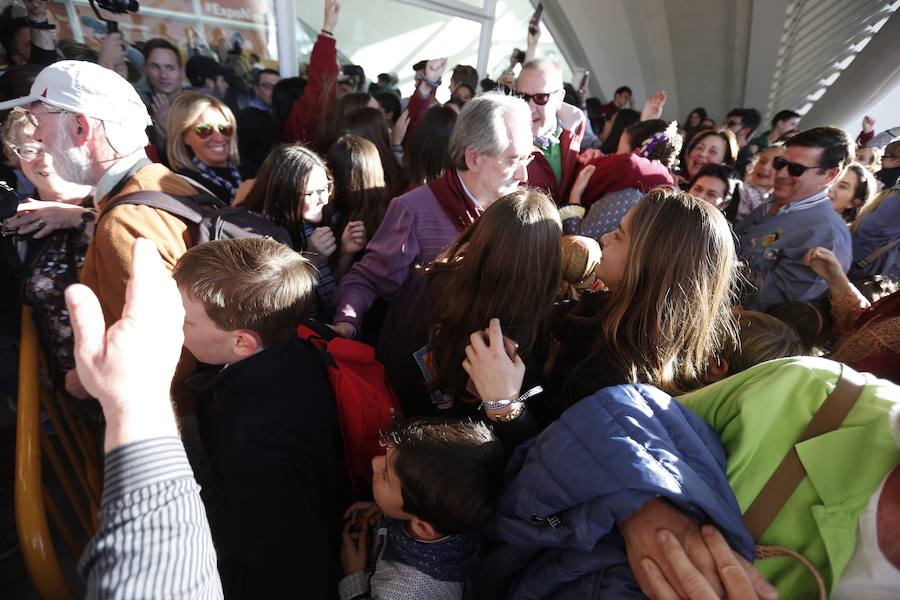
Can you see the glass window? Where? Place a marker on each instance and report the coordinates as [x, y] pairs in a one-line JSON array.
[[217, 25], [511, 31], [383, 36]]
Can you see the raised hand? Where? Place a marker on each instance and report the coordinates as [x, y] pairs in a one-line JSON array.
[[332, 12], [129, 367], [653, 107], [434, 68], [398, 133]]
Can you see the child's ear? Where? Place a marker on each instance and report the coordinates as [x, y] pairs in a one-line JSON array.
[[423, 530], [247, 343], [716, 370]]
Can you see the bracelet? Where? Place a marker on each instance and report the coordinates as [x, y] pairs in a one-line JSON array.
[[501, 404], [512, 415], [433, 84], [326, 32], [87, 217]]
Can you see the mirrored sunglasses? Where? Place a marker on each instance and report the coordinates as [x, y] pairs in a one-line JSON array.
[[204, 130]]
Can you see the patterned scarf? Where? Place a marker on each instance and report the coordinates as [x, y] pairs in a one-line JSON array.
[[453, 558], [211, 176], [325, 286]]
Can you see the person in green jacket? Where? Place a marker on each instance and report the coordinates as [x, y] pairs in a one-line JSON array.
[[759, 414]]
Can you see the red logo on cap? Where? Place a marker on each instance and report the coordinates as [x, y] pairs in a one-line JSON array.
[[44, 93]]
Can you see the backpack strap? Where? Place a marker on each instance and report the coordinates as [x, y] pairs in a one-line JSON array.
[[183, 207], [865, 262], [781, 485]]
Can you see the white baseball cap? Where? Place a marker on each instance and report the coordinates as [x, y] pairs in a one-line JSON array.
[[87, 88]]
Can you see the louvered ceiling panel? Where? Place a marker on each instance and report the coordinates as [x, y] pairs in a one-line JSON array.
[[820, 38]]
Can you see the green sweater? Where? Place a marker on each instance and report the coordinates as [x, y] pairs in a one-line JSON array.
[[759, 414]]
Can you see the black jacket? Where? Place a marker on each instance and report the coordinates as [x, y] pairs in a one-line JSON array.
[[277, 443]]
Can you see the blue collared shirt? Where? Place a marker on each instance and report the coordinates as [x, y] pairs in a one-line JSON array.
[[818, 197]]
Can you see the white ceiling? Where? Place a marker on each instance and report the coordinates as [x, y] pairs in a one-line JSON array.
[[721, 54]]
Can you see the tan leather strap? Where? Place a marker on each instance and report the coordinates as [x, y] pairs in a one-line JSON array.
[[790, 472]]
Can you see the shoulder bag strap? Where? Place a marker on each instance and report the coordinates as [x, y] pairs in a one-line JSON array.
[[865, 262], [778, 490]]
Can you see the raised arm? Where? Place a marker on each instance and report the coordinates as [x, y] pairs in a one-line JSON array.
[[152, 522]]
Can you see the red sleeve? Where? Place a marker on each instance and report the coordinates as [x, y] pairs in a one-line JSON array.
[[320, 92], [417, 107], [864, 137], [619, 171]]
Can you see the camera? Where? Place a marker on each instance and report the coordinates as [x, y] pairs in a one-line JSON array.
[[119, 6]]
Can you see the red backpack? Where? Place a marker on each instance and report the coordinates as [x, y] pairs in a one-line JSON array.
[[365, 401]]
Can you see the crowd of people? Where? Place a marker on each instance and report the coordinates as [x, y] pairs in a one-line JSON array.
[[607, 333]]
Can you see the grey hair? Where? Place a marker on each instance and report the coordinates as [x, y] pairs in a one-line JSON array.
[[482, 125], [546, 65]]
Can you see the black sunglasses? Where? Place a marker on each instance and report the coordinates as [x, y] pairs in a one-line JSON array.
[[539, 99], [794, 169]]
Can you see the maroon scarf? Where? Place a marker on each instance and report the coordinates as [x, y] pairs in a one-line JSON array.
[[457, 205]]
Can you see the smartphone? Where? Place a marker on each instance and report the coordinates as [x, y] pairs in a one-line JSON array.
[[535, 18], [584, 80], [512, 350]]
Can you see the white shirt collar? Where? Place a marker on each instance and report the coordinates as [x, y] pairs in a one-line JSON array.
[[114, 174], [468, 193]]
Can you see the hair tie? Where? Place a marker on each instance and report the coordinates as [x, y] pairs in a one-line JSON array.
[[650, 143]]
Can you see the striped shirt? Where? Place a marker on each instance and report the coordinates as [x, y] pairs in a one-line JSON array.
[[154, 539]]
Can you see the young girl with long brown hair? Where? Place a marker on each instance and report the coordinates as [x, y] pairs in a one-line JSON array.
[[670, 270], [506, 265]]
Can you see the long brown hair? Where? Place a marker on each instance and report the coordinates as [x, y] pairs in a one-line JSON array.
[[279, 187], [672, 311], [359, 188], [506, 266], [368, 123]]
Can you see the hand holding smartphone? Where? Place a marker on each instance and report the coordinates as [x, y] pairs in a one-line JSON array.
[[534, 22]]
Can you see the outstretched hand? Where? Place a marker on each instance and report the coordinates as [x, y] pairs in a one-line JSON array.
[[129, 367], [653, 107]]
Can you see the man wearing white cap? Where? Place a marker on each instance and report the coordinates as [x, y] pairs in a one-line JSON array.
[[92, 122]]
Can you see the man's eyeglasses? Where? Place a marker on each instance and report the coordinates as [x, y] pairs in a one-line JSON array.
[[326, 191], [516, 162], [27, 152], [539, 99], [794, 169], [33, 116], [204, 130]]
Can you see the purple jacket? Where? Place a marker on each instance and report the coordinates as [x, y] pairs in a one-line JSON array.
[[415, 230]]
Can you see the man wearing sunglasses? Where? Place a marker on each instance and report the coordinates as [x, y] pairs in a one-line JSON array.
[[774, 238], [557, 129]]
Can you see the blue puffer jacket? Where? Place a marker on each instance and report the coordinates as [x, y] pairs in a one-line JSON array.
[[600, 462]]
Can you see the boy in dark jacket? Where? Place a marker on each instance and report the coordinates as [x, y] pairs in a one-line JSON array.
[[436, 485], [276, 438]]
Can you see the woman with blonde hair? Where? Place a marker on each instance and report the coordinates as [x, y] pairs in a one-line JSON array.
[[202, 143]]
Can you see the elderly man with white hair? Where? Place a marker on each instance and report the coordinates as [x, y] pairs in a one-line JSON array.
[[92, 122], [489, 152]]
